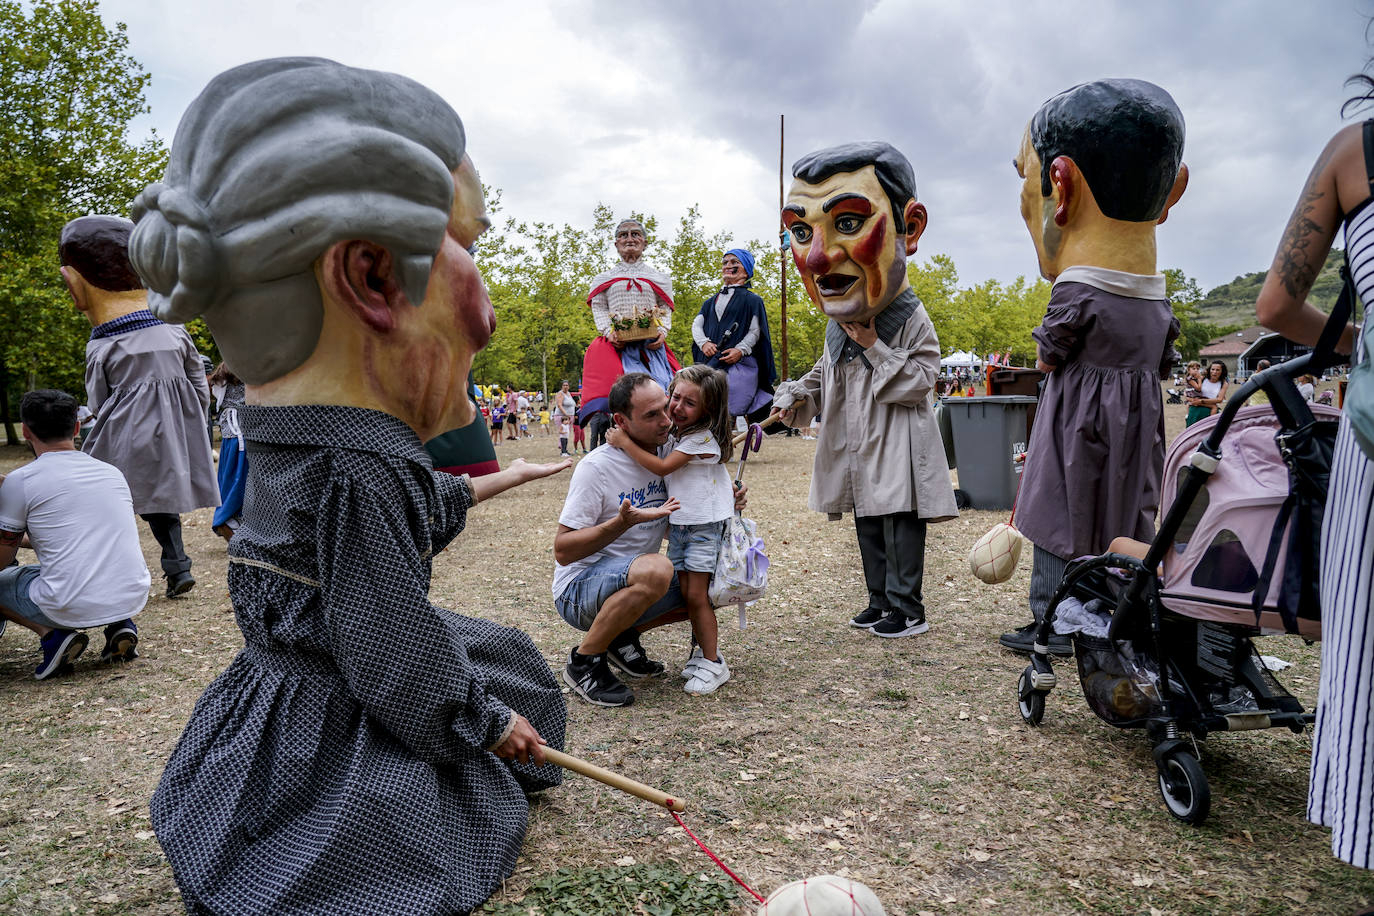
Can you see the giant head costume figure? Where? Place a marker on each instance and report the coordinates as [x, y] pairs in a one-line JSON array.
[[854, 220], [1102, 164], [94, 253], [341, 276]]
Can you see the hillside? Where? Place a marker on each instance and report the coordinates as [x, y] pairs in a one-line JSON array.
[[1234, 303]]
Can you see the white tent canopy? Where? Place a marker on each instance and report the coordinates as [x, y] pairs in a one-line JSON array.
[[960, 359]]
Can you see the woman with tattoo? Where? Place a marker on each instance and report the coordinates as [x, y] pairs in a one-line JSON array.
[[1338, 192]]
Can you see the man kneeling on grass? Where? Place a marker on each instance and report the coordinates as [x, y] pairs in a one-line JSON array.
[[79, 518]]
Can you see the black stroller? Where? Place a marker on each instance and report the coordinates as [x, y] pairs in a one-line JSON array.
[[1235, 557]]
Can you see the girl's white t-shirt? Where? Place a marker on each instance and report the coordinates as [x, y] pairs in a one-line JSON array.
[[703, 485]]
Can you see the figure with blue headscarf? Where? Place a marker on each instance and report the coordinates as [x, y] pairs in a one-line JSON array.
[[731, 334]]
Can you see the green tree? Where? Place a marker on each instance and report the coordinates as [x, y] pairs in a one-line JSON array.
[[1186, 297], [68, 90]]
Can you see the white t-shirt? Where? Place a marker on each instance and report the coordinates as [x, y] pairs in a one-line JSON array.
[[80, 519], [703, 485], [599, 483]]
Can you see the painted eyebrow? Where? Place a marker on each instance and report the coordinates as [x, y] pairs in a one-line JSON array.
[[795, 208], [843, 198]]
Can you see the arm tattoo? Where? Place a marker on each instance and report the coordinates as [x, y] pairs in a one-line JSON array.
[[1299, 262]]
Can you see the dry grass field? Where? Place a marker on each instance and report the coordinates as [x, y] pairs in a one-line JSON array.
[[901, 763]]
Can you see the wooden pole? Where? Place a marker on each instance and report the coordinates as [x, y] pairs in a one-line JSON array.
[[614, 780], [782, 261]]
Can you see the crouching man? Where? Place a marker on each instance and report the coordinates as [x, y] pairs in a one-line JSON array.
[[79, 520]]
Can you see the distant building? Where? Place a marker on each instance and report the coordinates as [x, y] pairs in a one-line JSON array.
[[1241, 350]]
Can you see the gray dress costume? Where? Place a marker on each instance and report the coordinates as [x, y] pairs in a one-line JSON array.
[[148, 392], [340, 764], [1096, 453]]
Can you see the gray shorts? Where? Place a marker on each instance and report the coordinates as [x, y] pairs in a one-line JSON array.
[[15, 582], [584, 595], [693, 548]]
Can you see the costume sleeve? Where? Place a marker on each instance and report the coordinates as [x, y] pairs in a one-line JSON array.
[[601, 313], [1058, 333], [1171, 355], [905, 375], [97, 386], [195, 371], [453, 498], [806, 393], [699, 328], [746, 344], [404, 661]]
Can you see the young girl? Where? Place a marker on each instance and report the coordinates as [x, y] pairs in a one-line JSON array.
[[695, 472], [233, 461], [498, 420]]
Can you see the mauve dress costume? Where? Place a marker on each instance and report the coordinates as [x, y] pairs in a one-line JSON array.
[[1096, 454], [340, 764]]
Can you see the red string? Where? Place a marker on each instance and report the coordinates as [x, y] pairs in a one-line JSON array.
[[714, 858]]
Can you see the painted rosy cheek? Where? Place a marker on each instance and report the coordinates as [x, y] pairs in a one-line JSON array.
[[870, 245]]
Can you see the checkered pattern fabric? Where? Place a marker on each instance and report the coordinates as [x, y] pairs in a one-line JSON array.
[[339, 764], [130, 322], [628, 299]]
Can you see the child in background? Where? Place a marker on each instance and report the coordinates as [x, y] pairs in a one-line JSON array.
[[579, 436], [544, 420], [227, 390], [563, 425], [695, 472], [524, 424], [498, 420]]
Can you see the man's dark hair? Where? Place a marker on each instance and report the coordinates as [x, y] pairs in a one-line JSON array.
[[892, 168], [1125, 136], [623, 391], [98, 248], [50, 415]]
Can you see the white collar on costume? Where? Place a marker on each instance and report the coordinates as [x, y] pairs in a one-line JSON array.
[[1134, 286]]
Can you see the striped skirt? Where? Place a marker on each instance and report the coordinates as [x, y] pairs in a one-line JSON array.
[[1341, 793]]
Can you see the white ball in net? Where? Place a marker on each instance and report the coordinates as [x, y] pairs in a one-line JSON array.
[[993, 558], [823, 895]]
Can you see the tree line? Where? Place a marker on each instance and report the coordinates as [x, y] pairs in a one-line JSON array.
[[69, 90]]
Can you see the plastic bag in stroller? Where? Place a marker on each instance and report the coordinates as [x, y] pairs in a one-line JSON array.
[[1163, 635]]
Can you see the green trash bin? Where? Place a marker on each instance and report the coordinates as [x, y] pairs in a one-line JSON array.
[[989, 439]]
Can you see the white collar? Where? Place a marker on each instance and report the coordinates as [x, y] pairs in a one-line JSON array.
[[1134, 286]]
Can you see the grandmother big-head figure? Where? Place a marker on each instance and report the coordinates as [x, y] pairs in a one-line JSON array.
[[319, 217], [1101, 165]]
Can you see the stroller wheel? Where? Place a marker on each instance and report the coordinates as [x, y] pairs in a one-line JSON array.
[[1184, 787], [1030, 701]]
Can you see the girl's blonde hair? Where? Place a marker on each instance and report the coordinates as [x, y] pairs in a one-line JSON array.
[[715, 404]]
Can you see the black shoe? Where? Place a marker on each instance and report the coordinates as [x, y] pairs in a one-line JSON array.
[[121, 642], [866, 618], [179, 584], [590, 678], [896, 624], [628, 655], [1023, 640]]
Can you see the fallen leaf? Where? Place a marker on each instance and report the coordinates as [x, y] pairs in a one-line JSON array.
[[625, 860]]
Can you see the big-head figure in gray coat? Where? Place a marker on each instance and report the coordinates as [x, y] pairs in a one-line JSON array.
[[145, 383], [854, 220]]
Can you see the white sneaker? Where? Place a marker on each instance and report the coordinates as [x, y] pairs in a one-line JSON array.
[[707, 676], [692, 661]]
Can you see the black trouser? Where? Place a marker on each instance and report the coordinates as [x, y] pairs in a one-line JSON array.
[[596, 430], [893, 548], [166, 528]]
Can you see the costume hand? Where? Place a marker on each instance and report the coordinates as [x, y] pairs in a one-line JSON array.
[[634, 515], [614, 337], [741, 497], [523, 743], [788, 416], [708, 349], [616, 438], [731, 356], [658, 341], [528, 472], [862, 334]]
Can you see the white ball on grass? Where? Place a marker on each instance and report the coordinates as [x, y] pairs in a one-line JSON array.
[[823, 895], [993, 558]]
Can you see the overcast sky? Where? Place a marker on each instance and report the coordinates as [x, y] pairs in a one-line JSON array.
[[656, 106]]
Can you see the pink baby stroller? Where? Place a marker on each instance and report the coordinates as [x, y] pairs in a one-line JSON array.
[[1164, 642]]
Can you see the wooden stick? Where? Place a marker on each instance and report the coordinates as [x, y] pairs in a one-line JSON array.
[[614, 780], [773, 417]]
